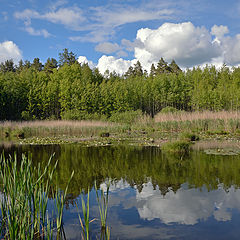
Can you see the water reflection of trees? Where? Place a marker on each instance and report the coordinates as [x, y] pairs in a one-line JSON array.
[[136, 166]]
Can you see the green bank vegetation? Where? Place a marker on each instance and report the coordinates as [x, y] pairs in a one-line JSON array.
[[180, 125]]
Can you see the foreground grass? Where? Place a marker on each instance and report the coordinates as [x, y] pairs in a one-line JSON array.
[[163, 127], [25, 196], [24, 203]]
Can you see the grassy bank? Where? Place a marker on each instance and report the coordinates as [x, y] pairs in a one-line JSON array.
[[163, 127]]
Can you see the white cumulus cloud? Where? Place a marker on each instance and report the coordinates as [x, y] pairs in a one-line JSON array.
[[9, 50], [219, 31], [112, 64], [83, 59], [186, 44]]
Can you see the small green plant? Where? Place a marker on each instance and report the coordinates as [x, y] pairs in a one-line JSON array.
[[189, 136], [102, 200], [85, 223], [179, 146]]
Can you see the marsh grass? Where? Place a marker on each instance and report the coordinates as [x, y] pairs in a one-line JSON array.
[[202, 123], [54, 128], [183, 116], [206, 121], [25, 197]]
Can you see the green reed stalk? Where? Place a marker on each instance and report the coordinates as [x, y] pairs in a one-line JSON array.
[[86, 225], [102, 204]]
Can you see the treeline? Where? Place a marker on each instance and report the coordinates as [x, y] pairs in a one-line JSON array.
[[65, 89]]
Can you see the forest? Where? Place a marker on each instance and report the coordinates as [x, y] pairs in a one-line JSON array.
[[66, 89]]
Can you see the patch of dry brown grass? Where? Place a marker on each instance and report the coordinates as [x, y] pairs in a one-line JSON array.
[[193, 116], [55, 124], [55, 128]]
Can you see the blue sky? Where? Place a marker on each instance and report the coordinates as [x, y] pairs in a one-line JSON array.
[[115, 34]]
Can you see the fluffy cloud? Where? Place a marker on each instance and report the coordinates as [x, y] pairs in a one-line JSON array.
[[9, 50], [112, 64], [219, 31], [231, 49], [107, 47], [83, 59], [186, 44]]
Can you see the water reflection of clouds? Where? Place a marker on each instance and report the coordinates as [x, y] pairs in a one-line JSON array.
[[187, 206], [115, 185], [131, 213]]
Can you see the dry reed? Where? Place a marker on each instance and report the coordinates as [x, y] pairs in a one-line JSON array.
[[54, 128], [54, 124], [193, 116]]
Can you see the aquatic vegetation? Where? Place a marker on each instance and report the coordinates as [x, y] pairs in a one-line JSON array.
[[179, 146], [102, 200], [85, 223], [24, 213], [189, 136], [223, 151]]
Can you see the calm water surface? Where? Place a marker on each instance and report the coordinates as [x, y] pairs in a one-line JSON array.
[[152, 195]]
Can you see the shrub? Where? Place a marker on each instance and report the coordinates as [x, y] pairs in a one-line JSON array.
[[179, 146], [128, 117], [188, 136]]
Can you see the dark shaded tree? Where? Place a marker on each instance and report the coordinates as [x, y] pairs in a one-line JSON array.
[[67, 57], [174, 67], [50, 65], [7, 66], [37, 65]]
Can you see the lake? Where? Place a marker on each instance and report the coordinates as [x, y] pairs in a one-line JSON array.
[[153, 195]]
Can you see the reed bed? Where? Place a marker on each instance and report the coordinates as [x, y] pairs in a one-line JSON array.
[[208, 122], [24, 204], [54, 123], [54, 128], [24, 200], [193, 116]]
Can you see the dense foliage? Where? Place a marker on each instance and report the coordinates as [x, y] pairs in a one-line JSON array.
[[69, 90]]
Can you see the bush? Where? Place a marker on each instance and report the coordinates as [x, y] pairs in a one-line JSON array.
[[180, 146], [128, 117], [188, 136]]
